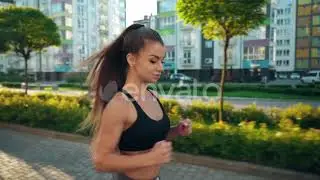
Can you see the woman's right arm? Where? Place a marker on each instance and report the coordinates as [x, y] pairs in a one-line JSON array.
[[104, 147]]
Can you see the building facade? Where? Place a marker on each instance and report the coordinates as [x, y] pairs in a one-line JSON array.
[[85, 26], [184, 43], [282, 34], [307, 46]]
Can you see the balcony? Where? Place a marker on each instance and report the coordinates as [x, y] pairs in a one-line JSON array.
[[186, 27], [62, 54], [187, 44]]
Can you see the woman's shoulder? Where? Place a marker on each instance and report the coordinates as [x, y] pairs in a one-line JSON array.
[[119, 102]]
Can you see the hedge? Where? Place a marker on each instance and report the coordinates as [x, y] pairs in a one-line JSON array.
[[265, 140]]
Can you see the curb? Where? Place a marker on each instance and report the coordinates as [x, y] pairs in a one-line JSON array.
[[214, 163]]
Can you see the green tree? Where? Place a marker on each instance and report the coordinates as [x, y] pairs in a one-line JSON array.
[[24, 31], [223, 20]]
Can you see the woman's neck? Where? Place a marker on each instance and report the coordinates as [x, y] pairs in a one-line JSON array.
[[135, 86]]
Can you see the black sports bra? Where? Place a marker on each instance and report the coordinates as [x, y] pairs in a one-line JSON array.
[[144, 132]]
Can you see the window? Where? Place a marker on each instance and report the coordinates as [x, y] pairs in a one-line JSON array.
[[208, 60], [170, 55], [279, 53], [80, 10], [278, 62], [68, 21], [286, 52], [303, 21], [187, 56], [303, 42], [82, 50], [208, 44], [316, 31], [80, 23], [316, 20], [301, 32], [245, 53], [287, 21], [302, 63], [302, 53], [316, 8], [316, 41], [80, 1], [68, 8], [56, 8], [286, 62], [260, 52], [187, 38], [304, 10], [315, 62], [68, 35], [288, 10], [303, 2], [315, 52], [287, 42], [82, 36], [166, 6]]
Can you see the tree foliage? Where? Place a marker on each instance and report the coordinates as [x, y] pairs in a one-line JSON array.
[[25, 30], [223, 20]]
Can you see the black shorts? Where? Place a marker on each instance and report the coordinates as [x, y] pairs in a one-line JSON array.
[[120, 176]]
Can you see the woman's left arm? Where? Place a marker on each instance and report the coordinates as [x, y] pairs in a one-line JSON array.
[[184, 128]]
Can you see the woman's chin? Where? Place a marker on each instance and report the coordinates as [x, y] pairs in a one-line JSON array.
[[153, 80]]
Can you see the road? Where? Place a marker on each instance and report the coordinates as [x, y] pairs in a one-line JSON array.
[[29, 157]]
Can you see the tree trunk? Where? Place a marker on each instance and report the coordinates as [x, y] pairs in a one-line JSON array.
[[40, 67], [26, 75], [223, 75]]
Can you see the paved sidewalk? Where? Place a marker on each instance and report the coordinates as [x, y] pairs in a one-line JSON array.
[[25, 156]]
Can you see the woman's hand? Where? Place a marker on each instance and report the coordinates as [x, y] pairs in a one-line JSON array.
[[184, 127]]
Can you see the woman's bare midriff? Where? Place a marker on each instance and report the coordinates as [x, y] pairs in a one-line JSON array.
[[146, 173]]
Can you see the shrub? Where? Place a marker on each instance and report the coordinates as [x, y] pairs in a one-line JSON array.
[[253, 113], [54, 112], [287, 146], [298, 150], [304, 115]]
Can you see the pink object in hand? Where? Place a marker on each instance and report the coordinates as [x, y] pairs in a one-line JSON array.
[[182, 127]]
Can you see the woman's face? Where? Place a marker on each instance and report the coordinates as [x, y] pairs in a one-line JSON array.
[[148, 63]]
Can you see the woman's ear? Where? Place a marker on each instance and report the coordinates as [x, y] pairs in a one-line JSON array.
[[131, 59]]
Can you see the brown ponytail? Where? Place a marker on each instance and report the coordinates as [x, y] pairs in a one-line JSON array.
[[109, 71]]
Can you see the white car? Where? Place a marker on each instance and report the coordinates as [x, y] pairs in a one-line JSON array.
[[311, 77], [295, 76], [180, 76]]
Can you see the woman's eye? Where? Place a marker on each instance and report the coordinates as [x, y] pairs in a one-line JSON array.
[[153, 62]]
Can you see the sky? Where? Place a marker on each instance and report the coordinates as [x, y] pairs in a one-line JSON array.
[[136, 9]]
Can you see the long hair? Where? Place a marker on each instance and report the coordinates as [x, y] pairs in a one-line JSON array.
[[109, 71]]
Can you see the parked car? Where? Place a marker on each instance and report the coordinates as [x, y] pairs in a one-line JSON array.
[[295, 76], [283, 76], [311, 77], [180, 76]]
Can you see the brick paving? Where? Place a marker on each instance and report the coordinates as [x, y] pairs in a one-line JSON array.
[[25, 156]]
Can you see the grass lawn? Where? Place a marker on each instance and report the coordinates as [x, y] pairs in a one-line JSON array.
[[248, 94]]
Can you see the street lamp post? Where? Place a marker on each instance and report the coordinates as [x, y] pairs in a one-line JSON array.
[[176, 48]]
